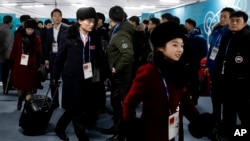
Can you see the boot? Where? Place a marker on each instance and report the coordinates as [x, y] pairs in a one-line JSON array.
[[19, 103]]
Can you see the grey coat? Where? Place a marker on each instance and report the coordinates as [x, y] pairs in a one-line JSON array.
[[5, 42]]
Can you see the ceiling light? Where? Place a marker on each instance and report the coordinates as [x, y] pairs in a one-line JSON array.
[[139, 7], [170, 1], [39, 5], [9, 4], [78, 5], [149, 7], [27, 6], [132, 7]]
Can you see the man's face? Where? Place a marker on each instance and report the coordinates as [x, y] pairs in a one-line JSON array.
[[57, 17], [224, 18], [236, 24], [87, 25]]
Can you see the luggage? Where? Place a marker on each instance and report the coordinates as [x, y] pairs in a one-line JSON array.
[[35, 122]]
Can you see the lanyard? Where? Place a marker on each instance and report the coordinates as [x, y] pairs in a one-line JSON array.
[[84, 48], [217, 42], [166, 87], [227, 47]]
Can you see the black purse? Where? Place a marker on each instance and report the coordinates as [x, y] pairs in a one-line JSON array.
[[42, 73]]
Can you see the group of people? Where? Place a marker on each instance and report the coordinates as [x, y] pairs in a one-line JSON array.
[[161, 72], [227, 62]]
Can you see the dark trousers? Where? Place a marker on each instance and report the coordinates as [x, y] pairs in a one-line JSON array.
[[195, 84], [216, 97], [99, 89], [77, 117], [236, 101], [118, 93], [5, 74]]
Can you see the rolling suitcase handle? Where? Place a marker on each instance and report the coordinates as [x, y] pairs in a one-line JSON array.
[[52, 98]]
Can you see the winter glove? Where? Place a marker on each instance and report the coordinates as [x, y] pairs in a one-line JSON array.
[[134, 129], [53, 83], [202, 126]]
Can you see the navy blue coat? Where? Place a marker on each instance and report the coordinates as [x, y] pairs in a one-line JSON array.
[[69, 62], [48, 45]]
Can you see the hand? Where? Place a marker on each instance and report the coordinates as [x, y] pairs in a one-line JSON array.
[[134, 129], [206, 71], [107, 84], [46, 63], [9, 62], [54, 83], [113, 71]]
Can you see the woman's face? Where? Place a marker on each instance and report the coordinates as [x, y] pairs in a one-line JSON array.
[[173, 49], [29, 31]]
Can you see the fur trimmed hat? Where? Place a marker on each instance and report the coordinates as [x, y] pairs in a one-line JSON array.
[[165, 32], [85, 13], [24, 18], [30, 23]]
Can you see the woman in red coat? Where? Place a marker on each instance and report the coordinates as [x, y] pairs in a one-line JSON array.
[[162, 86], [25, 52]]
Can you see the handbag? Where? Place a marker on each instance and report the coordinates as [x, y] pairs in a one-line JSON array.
[[42, 73]]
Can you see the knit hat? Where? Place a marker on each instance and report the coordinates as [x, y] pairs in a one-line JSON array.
[[24, 18], [165, 32], [85, 13], [30, 23]]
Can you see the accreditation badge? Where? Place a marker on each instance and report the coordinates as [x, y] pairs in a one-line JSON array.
[[214, 53], [54, 47], [87, 70], [24, 59], [173, 125]]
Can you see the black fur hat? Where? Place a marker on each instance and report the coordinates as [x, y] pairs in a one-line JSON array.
[[30, 23], [165, 32], [24, 18], [85, 13]]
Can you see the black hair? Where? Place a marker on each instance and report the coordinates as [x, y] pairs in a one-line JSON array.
[[155, 20], [145, 22], [240, 14], [7, 19], [47, 21], [228, 9], [100, 16], [176, 19], [191, 21], [167, 16], [40, 22], [117, 14], [135, 19], [56, 10]]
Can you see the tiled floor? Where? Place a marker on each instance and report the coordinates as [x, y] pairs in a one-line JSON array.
[[10, 131]]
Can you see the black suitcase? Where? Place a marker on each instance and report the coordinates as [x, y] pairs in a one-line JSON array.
[[36, 122]]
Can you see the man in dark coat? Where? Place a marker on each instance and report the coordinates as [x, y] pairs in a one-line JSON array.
[[77, 60], [52, 44], [233, 68]]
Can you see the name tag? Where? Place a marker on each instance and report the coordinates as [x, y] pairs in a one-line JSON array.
[[214, 53], [24, 59], [54, 47], [87, 70], [173, 125]]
